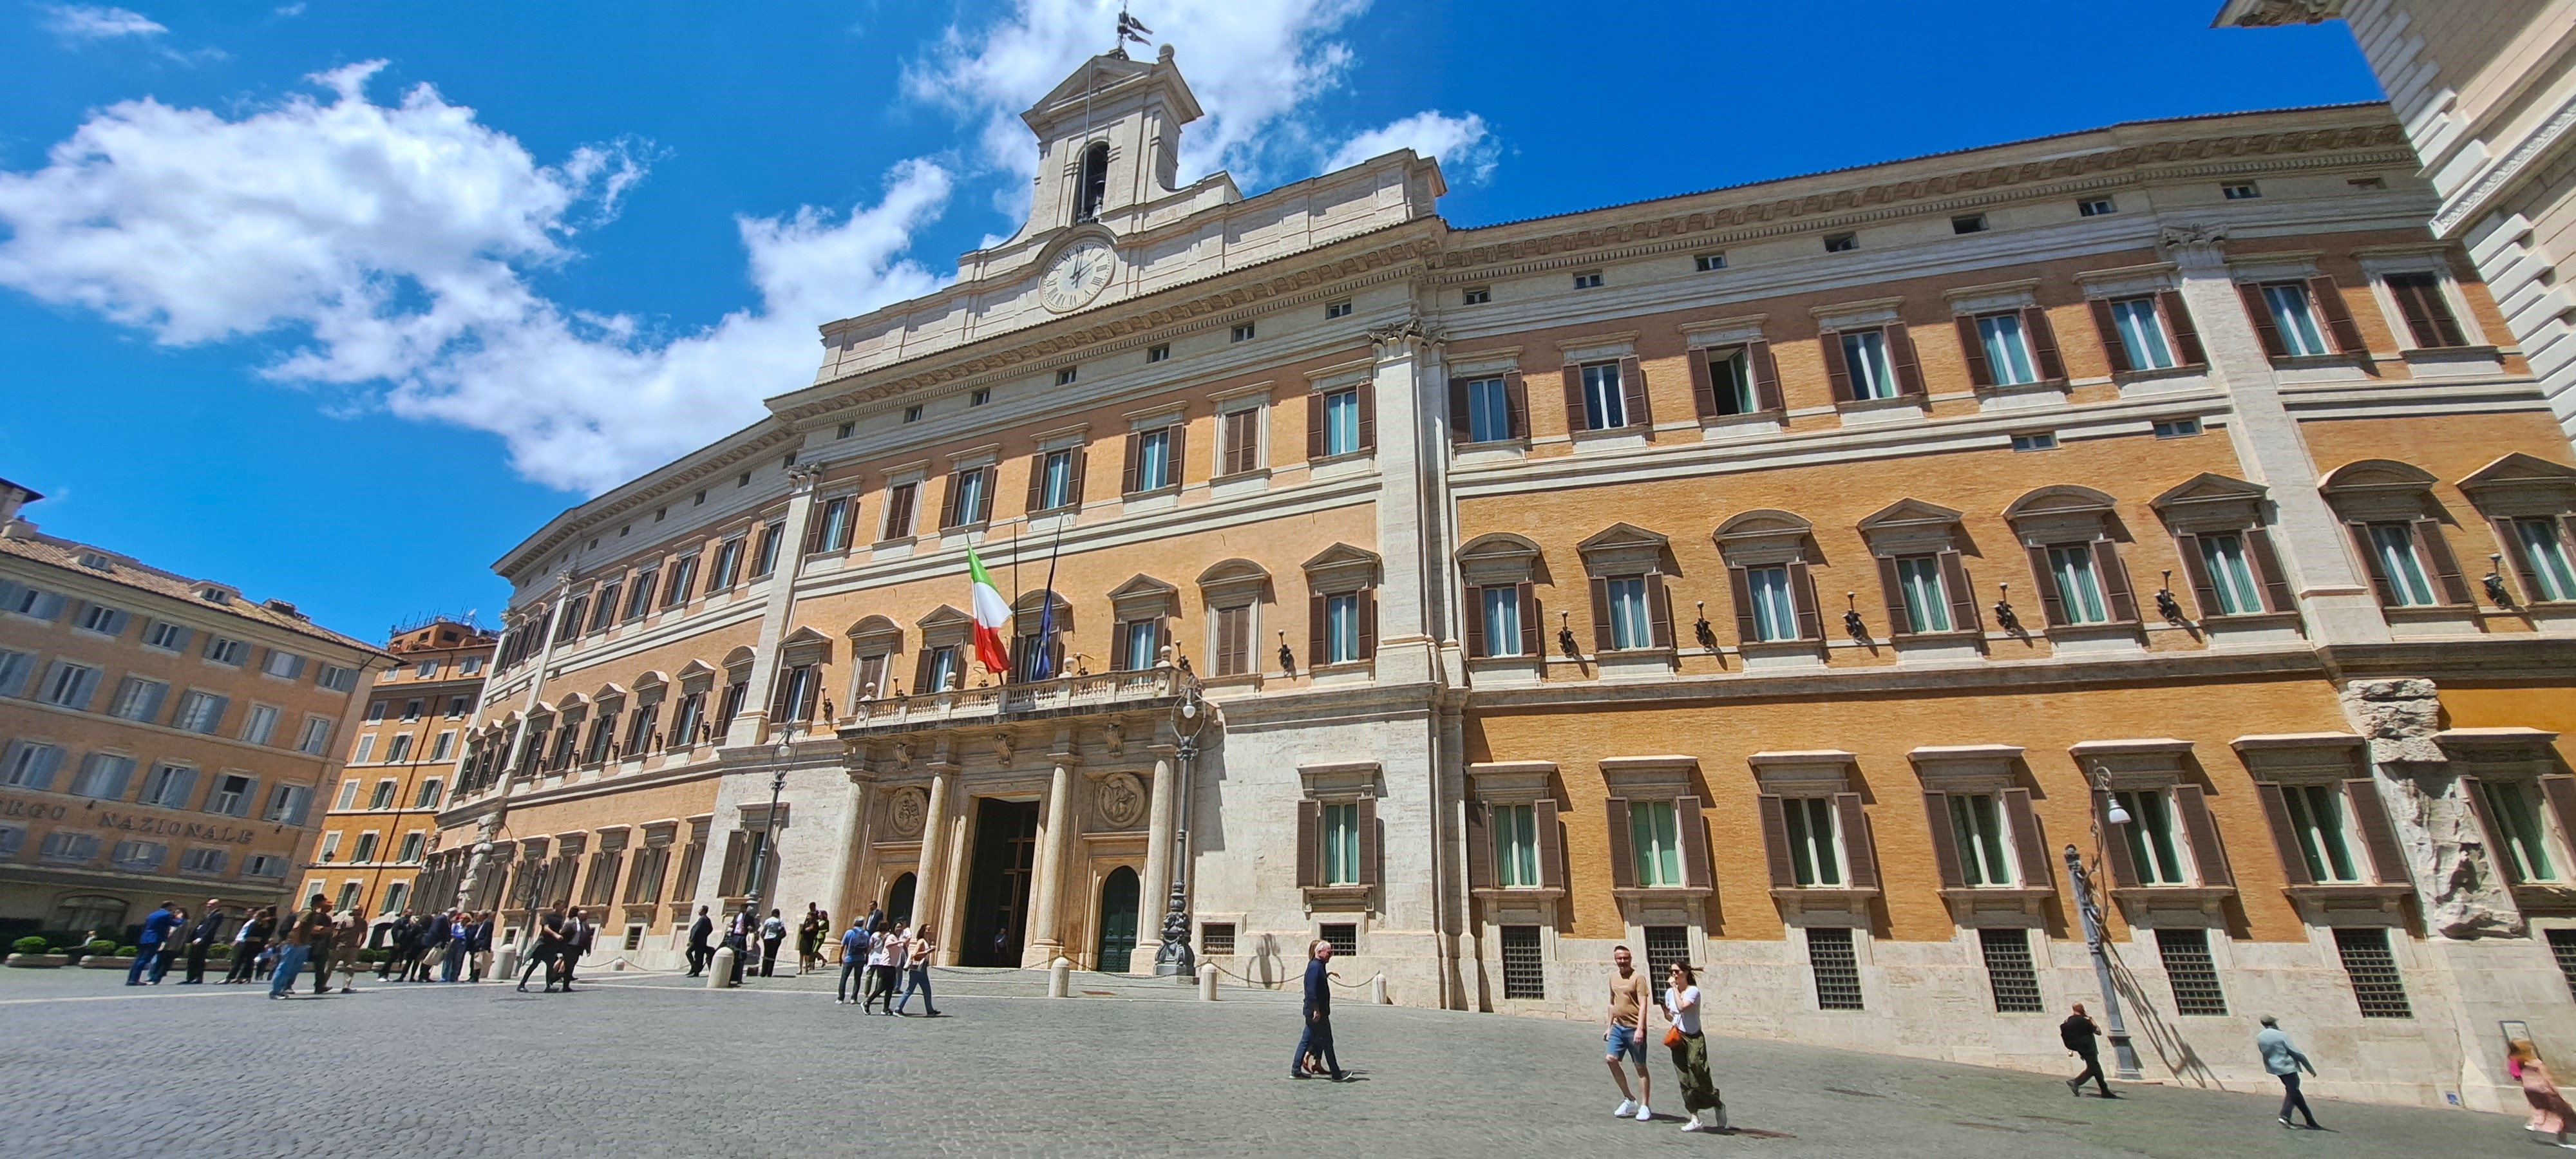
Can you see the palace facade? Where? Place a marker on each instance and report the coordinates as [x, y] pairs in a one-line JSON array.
[[1797, 578]]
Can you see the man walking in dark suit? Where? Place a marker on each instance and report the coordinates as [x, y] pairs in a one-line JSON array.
[[1317, 1041], [201, 938], [2080, 1035], [700, 933]]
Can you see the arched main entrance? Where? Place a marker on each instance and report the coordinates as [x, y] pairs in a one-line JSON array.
[[1117, 921], [898, 906]]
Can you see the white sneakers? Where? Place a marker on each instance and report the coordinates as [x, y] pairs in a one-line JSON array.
[[1715, 1123], [1643, 1114], [1627, 1107]]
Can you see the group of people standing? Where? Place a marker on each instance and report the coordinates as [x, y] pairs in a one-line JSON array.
[[877, 951], [453, 944]]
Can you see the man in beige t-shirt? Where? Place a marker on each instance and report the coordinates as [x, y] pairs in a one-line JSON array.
[[1629, 994]]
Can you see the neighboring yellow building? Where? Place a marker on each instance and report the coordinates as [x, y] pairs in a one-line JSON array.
[[160, 737], [1781, 577], [381, 823]]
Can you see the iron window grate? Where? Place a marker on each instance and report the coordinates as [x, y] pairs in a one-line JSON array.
[[2188, 968], [1665, 945], [1837, 969], [2562, 945], [1345, 937], [1216, 939], [2373, 970], [2009, 972], [1523, 975]]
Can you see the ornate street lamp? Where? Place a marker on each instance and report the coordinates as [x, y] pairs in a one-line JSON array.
[[1189, 718], [2124, 1056], [761, 857]]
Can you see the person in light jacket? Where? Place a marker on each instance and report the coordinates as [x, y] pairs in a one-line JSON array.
[[2285, 1062]]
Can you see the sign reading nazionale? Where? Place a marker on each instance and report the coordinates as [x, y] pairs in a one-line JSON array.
[[128, 822]]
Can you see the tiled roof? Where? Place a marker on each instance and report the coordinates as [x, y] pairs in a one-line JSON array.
[[125, 570]]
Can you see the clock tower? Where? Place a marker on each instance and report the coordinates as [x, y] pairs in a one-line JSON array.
[[1109, 142]]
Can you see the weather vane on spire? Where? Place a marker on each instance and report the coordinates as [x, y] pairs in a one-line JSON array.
[[1130, 28]]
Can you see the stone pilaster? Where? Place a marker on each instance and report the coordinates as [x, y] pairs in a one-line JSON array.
[[1409, 463], [750, 726]]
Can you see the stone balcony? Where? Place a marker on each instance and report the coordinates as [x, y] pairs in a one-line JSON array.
[[1066, 696]]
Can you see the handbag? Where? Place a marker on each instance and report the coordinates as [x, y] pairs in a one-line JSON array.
[[1672, 1036]]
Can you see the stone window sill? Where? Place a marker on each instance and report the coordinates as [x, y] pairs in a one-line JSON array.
[[2349, 895], [1661, 892]]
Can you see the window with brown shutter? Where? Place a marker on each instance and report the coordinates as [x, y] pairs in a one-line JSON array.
[[1775, 841], [1368, 841], [2259, 312], [2446, 570], [1242, 435], [1234, 640], [2338, 316], [2370, 814], [1623, 848], [1480, 846], [1945, 840], [2042, 337], [2113, 349], [2427, 312], [2208, 854], [898, 511], [1837, 370], [2285, 833], [1859, 848], [1632, 386], [736, 848], [1694, 835], [2177, 320], [1659, 612], [1981, 371], [1551, 845], [2115, 581], [1474, 615], [1310, 818], [1315, 426], [1900, 355], [1740, 589], [1459, 429], [1516, 404], [1802, 596], [2030, 846]]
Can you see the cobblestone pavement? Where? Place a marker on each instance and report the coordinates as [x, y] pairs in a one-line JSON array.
[[654, 1066]]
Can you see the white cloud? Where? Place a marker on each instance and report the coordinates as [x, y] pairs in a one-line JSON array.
[[1466, 149], [97, 22], [393, 246]]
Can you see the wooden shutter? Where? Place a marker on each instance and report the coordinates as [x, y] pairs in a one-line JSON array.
[[1242, 441], [2387, 860], [1747, 631], [1703, 383], [2115, 580], [1515, 405], [1529, 623], [2502, 529], [1601, 639], [2428, 314], [2043, 343], [1475, 617], [1175, 445], [1900, 351], [1775, 839], [2446, 570], [1037, 482], [1310, 816], [2051, 604], [2560, 789], [2124, 868], [1077, 467], [1659, 612], [2285, 833], [2207, 854], [2329, 301], [729, 883], [2370, 563], [2177, 319], [1130, 474], [948, 499], [1461, 429], [1694, 834], [921, 671], [813, 543], [1802, 596], [1318, 650], [1858, 847], [2114, 350], [1551, 846], [1576, 420], [1368, 840], [1892, 586], [1837, 370], [1980, 370], [1945, 841], [2030, 845], [1766, 375], [1480, 846], [1314, 426], [2505, 864], [2204, 594], [1632, 392], [1963, 600], [1366, 598], [1366, 395], [984, 496], [2267, 567], [2260, 313], [1233, 641], [1623, 848]]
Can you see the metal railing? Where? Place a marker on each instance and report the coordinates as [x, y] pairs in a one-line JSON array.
[[1075, 693]]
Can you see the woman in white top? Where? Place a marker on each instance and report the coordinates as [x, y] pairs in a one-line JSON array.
[[1690, 1051]]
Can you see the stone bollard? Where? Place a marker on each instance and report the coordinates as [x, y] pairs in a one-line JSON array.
[[720, 971], [1207, 981], [1377, 991], [508, 962], [1060, 979]]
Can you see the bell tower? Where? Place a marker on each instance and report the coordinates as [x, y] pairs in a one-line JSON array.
[[1109, 140]]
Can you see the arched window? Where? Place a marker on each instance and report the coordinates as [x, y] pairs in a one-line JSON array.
[[82, 913], [1093, 186]]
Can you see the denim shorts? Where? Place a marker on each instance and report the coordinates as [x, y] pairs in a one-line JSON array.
[[1630, 1041]]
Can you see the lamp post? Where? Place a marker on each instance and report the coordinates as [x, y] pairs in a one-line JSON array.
[[758, 894], [2124, 1056], [1189, 718]]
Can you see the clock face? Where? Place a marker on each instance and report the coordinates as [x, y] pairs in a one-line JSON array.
[[1078, 276]]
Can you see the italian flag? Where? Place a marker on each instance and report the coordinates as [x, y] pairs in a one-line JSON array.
[[990, 614]]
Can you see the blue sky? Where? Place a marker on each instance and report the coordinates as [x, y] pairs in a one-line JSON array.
[[336, 302]]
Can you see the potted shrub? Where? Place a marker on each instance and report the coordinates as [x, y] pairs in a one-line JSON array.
[[29, 953], [107, 955]]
